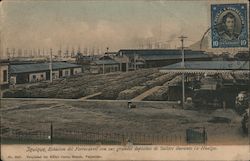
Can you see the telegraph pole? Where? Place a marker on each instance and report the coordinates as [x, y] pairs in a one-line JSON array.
[[103, 68], [51, 133], [183, 66], [134, 63], [8, 53], [50, 66]]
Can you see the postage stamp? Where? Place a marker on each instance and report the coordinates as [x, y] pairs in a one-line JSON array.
[[229, 25]]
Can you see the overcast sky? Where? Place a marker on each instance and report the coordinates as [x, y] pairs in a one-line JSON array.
[[98, 24]]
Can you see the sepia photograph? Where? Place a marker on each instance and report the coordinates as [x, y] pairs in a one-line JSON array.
[[124, 73]]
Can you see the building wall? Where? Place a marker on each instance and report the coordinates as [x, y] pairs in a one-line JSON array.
[[4, 74], [55, 74], [36, 77], [77, 70], [21, 78], [65, 72], [94, 69], [109, 68]]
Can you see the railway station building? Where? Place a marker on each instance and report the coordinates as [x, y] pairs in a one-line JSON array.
[[35, 72], [161, 57]]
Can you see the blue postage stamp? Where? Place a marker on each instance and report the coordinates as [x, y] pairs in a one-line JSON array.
[[229, 25]]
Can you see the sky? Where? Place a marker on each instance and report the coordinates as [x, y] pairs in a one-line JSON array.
[[117, 24]]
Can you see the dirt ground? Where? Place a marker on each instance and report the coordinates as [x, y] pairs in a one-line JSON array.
[[107, 117]]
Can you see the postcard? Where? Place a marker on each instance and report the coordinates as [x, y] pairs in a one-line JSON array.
[[124, 80]]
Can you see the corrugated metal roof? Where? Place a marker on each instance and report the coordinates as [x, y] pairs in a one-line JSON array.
[[212, 65], [27, 68], [159, 54], [172, 56]]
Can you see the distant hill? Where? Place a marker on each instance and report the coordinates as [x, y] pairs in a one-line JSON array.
[[196, 45]]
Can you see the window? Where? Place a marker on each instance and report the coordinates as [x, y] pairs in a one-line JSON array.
[[66, 73], [34, 76], [5, 75], [41, 77], [75, 71], [54, 75]]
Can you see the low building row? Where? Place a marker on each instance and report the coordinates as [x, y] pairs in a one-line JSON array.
[[124, 60], [35, 72], [131, 59]]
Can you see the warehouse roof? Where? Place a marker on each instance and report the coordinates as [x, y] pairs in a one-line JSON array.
[[27, 68], [172, 56], [211, 65], [156, 54]]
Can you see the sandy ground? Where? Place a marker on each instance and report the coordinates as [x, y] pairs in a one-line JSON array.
[[164, 120]]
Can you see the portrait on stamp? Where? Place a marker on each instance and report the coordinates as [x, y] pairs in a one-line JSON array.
[[229, 25]]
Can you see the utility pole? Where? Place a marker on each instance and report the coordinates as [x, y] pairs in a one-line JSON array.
[[103, 68], [51, 133], [134, 62], [50, 66], [183, 66], [8, 53]]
